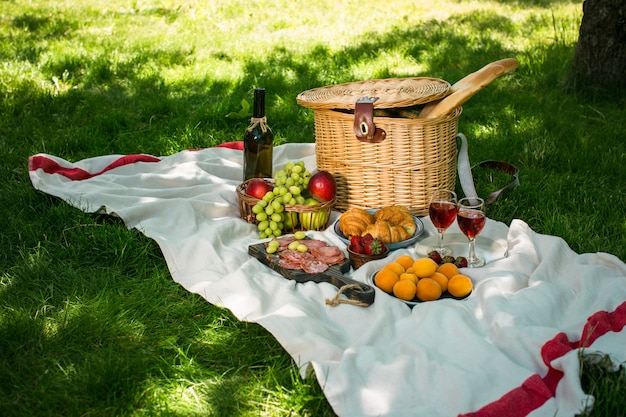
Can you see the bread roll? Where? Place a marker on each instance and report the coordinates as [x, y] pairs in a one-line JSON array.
[[355, 221], [397, 216], [386, 232]]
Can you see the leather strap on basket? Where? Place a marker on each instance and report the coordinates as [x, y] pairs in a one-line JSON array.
[[364, 127], [465, 173]]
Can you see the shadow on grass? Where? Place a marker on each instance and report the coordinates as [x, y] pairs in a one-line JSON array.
[[90, 281]]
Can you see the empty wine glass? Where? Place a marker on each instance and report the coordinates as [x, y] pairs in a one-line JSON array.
[[471, 218], [442, 212]]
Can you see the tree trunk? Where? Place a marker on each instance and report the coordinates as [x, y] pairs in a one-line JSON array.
[[600, 59]]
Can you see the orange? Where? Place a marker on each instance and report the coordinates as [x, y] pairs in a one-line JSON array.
[[424, 267], [409, 276], [385, 280], [406, 261], [460, 285], [441, 279], [405, 289], [410, 270], [428, 289], [448, 269], [395, 267]]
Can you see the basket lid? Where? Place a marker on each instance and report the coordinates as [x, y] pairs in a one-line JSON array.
[[391, 93]]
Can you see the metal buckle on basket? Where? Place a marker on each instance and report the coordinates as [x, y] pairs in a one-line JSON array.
[[364, 127]]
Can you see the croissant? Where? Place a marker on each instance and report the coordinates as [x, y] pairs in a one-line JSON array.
[[398, 216], [355, 221], [386, 232]]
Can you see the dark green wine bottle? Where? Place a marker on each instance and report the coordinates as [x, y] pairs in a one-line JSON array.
[[258, 142]]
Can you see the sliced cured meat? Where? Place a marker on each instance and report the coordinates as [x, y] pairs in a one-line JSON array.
[[330, 255], [314, 243], [289, 265], [313, 266]]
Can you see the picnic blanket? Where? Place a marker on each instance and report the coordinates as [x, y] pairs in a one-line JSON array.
[[511, 348]]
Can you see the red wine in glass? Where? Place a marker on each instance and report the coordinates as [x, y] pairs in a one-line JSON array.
[[442, 211], [471, 219], [471, 223]]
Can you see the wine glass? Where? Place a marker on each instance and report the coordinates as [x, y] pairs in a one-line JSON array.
[[442, 211], [471, 218]]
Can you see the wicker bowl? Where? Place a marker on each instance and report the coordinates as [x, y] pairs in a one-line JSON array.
[[359, 259], [246, 202]]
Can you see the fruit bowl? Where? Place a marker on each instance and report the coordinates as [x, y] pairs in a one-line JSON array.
[[359, 259], [318, 215], [371, 280], [419, 229]]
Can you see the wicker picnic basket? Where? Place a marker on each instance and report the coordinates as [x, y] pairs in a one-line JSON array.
[[416, 156]]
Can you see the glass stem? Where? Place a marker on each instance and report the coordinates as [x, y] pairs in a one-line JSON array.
[[472, 256], [440, 238]]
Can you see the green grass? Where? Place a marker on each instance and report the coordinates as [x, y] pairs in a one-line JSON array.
[[91, 322]]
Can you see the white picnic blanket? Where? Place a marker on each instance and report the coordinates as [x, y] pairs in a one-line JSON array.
[[511, 348]]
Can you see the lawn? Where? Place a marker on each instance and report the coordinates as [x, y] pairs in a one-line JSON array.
[[91, 322]]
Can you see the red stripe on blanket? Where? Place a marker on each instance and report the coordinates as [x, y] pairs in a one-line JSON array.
[[535, 391], [50, 166]]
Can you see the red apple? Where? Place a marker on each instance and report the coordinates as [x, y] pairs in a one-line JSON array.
[[322, 186], [258, 188]]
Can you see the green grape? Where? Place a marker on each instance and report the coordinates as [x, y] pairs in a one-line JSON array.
[[263, 234], [261, 216], [293, 245], [257, 208], [289, 166], [277, 203], [273, 243], [282, 191], [276, 190], [300, 163], [262, 203], [299, 235], [295, 190], [287, 197], [277, 232], [273, 225], [269, 196], [271, 249], [269, 210], [297, 169], [263, 225], [279, 208], [277, 217], [302, 247], [295, 176], [300, 199], [292, 202], [289, 182]]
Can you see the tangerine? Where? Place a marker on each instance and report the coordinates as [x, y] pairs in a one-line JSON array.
[[405, 289], [406, 261], [448, 269], [424, 267], [395, 267], [441, 279], [409, 276], [428, 289], [460, 286], [385, 280]]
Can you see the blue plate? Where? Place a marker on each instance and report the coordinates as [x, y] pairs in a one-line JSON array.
[[419, 229]]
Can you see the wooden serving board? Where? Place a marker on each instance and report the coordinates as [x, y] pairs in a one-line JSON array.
[[333, 275]]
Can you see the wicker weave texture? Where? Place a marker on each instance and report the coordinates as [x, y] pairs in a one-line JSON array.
[[391, 93], [417, 157]]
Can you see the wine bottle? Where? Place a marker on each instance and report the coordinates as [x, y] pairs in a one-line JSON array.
[[258, 142]]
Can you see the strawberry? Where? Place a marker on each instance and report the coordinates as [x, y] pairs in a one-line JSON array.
[[367, 239], [448, 259], [461, 262], [375, 247], [357, 249], [435, 256], [355, 240]]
